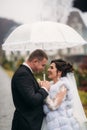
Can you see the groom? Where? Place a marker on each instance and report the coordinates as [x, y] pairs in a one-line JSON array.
[[27, 96]]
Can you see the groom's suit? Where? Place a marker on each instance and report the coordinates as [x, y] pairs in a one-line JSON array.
[[28, 99]]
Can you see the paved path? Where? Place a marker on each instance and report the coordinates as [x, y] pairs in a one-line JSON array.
[[6, 103]]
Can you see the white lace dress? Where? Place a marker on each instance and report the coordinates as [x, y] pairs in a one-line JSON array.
[[60, 117]]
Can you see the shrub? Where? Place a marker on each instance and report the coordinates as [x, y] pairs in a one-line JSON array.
[[83, 96]]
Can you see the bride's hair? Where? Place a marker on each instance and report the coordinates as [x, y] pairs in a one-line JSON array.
[[63, 66]]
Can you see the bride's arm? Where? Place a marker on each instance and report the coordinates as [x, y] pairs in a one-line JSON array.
[[54, 103]]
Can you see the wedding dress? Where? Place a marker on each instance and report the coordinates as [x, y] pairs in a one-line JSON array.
[[78, 108]]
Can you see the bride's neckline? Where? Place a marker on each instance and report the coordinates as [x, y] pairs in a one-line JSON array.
[[53, 83]]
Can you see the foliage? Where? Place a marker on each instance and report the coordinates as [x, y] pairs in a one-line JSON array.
[[20, 61], [7, 64], [10, 65], [83, 96], [81, 78]]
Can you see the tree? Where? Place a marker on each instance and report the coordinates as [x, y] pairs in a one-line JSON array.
[[81, 4]]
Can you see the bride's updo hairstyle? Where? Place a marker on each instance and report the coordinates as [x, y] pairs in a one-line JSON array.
[[63, 66]]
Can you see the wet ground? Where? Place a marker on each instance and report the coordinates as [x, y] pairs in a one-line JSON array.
[[6, 103]]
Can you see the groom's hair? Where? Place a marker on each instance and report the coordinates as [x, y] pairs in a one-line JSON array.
[[39, 54]]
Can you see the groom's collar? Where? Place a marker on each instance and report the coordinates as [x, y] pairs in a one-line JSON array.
[[28, 66]]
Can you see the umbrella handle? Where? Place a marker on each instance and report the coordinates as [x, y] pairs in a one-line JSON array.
[[44, 77]]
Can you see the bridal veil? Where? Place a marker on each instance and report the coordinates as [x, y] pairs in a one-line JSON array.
[[77, 108]]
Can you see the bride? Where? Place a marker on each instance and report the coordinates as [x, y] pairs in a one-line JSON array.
[[69, 114]]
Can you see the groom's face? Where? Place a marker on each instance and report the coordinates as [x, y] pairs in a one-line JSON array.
[[38, 65]]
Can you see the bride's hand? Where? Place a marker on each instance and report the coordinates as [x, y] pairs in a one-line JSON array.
[[60, 95]]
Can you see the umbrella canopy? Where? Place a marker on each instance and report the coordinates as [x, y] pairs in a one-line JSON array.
[[46, 35]]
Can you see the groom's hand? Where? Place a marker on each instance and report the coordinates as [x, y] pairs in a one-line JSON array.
[[45, 84]]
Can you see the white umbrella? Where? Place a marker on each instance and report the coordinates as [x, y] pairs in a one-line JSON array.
[[46, 35]]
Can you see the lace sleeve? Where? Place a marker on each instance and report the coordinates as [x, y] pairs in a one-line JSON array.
[[54, 103]]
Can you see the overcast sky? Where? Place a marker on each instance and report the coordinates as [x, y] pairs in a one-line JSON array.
[[23, 11], [20, 10]]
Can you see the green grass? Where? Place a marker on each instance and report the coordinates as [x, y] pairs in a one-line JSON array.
[[83, 97]]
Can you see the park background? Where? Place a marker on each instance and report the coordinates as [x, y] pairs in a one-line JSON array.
[[17, 12]]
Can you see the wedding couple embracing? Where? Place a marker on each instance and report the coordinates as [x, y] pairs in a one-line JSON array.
[[45, 105]]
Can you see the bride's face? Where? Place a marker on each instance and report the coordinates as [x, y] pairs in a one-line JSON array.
[[52, 72]]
